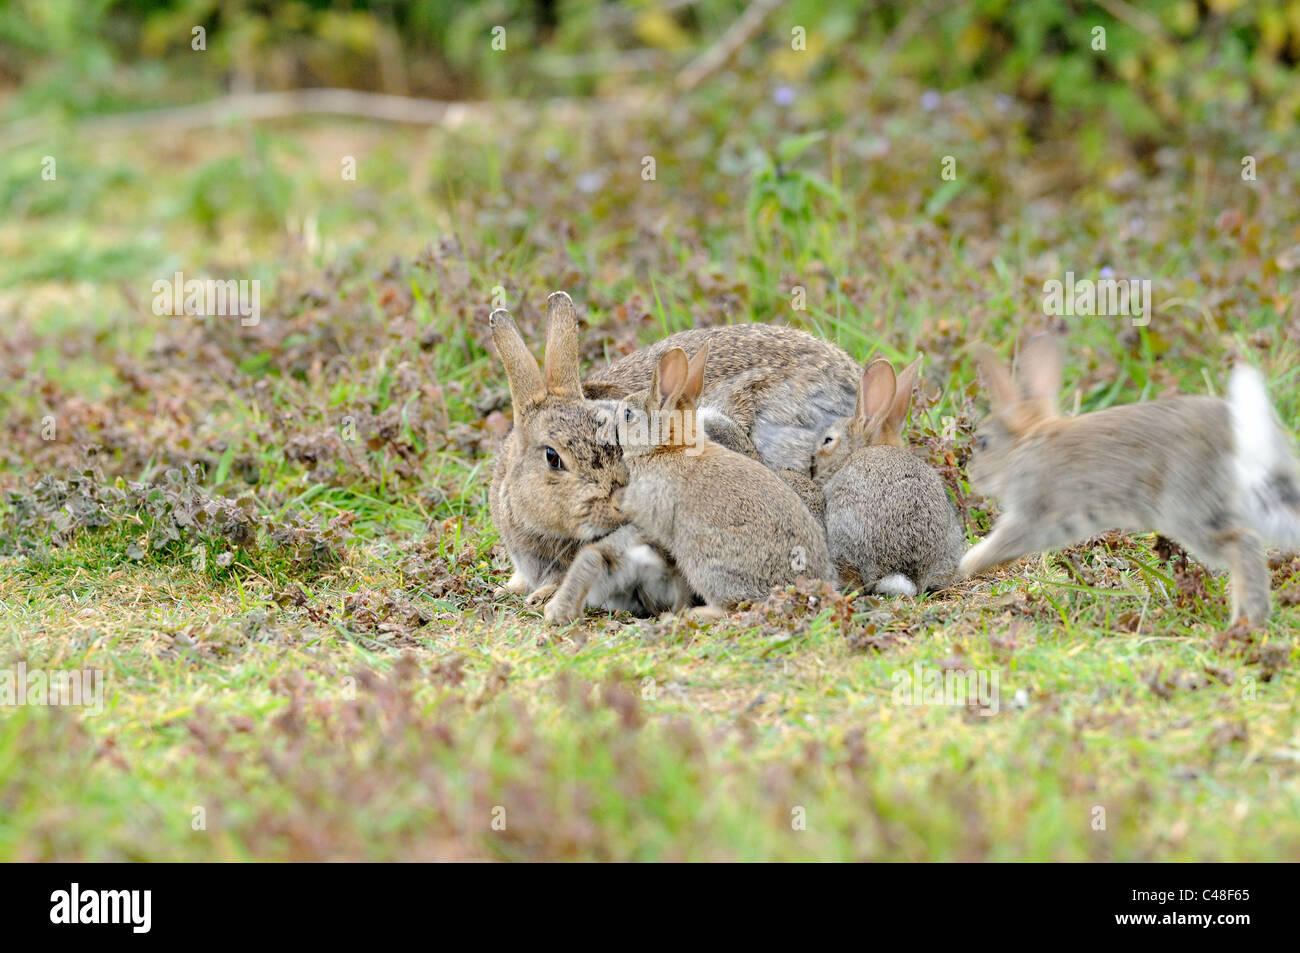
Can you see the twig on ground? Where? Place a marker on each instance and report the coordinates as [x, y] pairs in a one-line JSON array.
[[720, 53], [327, 102]]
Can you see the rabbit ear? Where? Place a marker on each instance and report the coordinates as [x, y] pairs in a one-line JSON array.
[[875, 394], [1040, 371], [1002, 390], [562, 377], [670, 377], [891, 428], [526, 387], [695, 374]]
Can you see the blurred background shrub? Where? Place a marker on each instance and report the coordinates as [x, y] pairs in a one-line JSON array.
[[1167, 64]]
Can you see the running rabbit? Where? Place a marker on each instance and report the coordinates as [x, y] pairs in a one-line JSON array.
[[1215, 475]]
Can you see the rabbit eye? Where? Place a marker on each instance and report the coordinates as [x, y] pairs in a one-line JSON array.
[[627, 415], [553, 459], [981, 442], [828, 441]]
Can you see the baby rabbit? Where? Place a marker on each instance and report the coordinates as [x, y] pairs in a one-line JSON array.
[[733, 527], [889, 524], [1216, 475]]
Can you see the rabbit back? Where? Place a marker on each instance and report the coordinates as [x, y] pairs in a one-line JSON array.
[[733, 527], [784, 386], [887, 515]]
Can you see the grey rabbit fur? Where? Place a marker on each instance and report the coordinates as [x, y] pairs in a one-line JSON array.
[[1217, 476], [890, 526]]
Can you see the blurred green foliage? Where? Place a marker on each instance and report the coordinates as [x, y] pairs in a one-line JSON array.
[[1152, 67], [236, 185]]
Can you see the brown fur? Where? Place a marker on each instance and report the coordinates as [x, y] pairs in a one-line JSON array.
[[733, 527]]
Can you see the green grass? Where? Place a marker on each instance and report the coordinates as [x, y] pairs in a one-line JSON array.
[[387, 705]]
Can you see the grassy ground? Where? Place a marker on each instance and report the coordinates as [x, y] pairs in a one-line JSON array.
[[317, 665]]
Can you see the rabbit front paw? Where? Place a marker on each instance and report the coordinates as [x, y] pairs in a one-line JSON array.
[[541, 594], [973, 561], [516, 586], [561, 612]]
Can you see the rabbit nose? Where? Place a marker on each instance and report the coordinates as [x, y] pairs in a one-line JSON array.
[[616, 500]]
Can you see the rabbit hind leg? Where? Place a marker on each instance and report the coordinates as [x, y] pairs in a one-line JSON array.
[[570, 596], [1250, 578], [706, 613], [1240, 551]]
